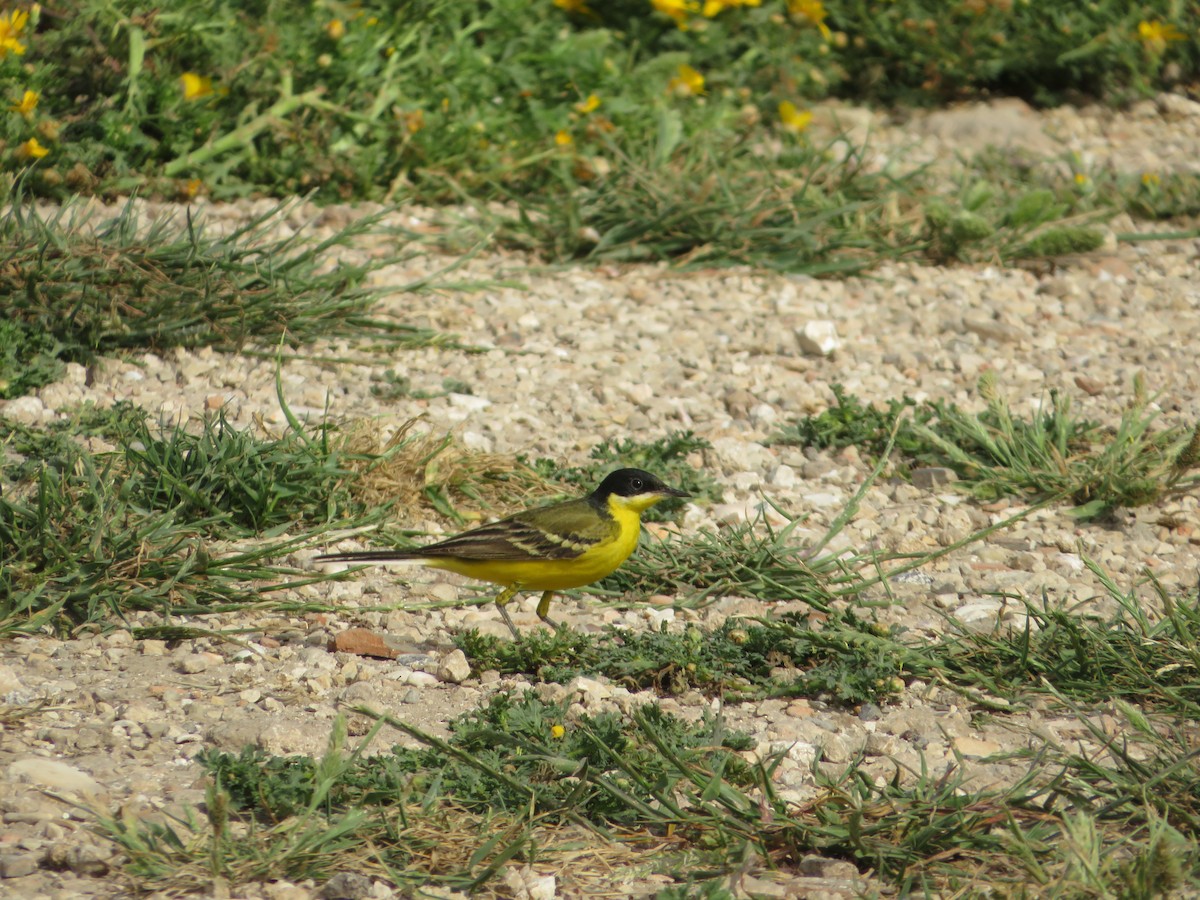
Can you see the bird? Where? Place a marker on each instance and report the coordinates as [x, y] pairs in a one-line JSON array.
[[548, 548]]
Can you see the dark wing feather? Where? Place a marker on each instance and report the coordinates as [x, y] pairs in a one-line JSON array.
[[563, 531]]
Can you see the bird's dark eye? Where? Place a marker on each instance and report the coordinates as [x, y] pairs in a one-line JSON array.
[[636, 484]]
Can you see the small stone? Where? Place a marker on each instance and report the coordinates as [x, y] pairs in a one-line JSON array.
[[87, 860], [762, 887], [285, 890], [932, 477], [784, 478], [974, 747], [363, 642], [526, 884], [454, 668], [763, 415], [739, 402], [1174, 107], [9, 682], [192, 664], [818, 337], [880, 744], [824, 867], [346, 886], [17, 865], [994, 329], [49, 773], [469, 402]]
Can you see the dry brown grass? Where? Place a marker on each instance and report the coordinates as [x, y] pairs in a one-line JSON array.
[[426, 471]]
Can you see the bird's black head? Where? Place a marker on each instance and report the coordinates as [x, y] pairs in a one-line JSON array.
[[631, 483]]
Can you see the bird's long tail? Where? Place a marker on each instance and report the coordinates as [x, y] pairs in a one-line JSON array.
[[370, 556]]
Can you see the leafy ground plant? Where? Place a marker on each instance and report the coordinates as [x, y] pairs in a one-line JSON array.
[[94, 286], [651, 130], [841, 659], [504, 785], [361, 102], [518, 776], [95, 537], [1052, 454]]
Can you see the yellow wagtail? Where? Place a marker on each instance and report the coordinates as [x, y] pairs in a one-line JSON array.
[[547, 549]]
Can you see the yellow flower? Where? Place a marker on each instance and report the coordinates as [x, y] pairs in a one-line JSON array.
[[414, 121], [336, 29], [792, 119], [31, 149], [192, 189], [1157, 34], [591, 104], [1150, 180], [814, 11], [12, 26], [687, 83], [1081, 179], [575, 7], [557, 731], [563, 138], [713, 8], [679, 10], [195, 87], [27, 104]]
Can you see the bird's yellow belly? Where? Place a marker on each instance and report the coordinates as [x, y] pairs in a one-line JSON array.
[[551, 574]]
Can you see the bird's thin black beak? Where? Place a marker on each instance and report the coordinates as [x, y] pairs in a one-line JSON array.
[[674, 492]]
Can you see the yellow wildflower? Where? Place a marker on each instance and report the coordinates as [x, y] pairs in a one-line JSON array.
[[563, 138], [575, 7], [814, 11], [792, 119], [591, 104], [1081, 179], [31, 149], [557, 731], [27, 104], [195, 87], [192, 188], [414, 121], [687, 83], [1157, 34], [336, 29], [679, 10], [713, 8], [1150, 180], [12, 26]]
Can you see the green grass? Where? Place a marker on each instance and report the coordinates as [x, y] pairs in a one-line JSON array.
[[1115, 817], [843, 660], [87, 287], [94, 537], [581, 124], [1054, 454], [514, 762]]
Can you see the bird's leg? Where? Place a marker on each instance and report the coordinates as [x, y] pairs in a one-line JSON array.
[[502, 601], [543, 610]]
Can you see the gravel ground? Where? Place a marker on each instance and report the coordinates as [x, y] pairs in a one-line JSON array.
[[580, 355]]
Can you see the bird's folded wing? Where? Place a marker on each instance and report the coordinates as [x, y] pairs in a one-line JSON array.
[[555, 532]]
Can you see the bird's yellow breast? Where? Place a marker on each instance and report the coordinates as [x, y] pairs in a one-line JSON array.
[[597, 561]]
